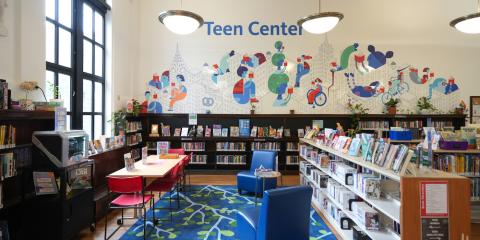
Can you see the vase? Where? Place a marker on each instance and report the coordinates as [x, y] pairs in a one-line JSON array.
[[252, 112], [27, 105]]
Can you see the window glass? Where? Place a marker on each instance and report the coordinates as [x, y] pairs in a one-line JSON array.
[[50, 42], [87, 95], [65, 12], [98, 99], [87, 125], [87, 56], [98, 61], [98, 119], [50, 9], [98, 28], [87, 21], [64, 90], [49, 83], [64, 48]]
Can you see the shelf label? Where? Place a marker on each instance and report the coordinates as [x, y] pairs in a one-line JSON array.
[[187, 139], [259, 139]]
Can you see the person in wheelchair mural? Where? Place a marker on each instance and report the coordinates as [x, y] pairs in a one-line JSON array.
[[396, 86], [316, 96]]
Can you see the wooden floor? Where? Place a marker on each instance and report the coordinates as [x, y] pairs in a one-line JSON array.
[[199, 180]]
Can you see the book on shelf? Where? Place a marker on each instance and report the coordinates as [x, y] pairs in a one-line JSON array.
[[279, 133], [354, 147], [224, 132], [254, 131], [163, 147], [7, 166], [154, 131], [266, 132], [244, 125], [165, 130], [272, 132], [261, 132], [300, 132], [234, 131], [184, 132], [199, 131], [45, 183], [7, 136], [192, 131], [217, 130], [208, 131], [286, 132], [177, 132], [3, 94]]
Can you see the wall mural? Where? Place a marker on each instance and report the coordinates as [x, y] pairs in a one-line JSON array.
[[314, 83]]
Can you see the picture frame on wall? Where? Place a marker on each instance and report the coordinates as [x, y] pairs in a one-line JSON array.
[[475, 109]]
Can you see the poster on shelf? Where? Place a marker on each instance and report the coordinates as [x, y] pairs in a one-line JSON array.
[[434, 228], [192, 119], [163, 147], [44, 183]]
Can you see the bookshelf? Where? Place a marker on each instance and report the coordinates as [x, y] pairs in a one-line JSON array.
[[393, 211], [134, 133], [17, 190], [282, 145]]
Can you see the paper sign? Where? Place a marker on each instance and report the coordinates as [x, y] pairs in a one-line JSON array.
[[192, 119], [434, 199], [60, 119], [434, 228]]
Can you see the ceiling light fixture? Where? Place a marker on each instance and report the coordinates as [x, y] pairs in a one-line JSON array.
[[468, 24], [320, 22], [181, 21]]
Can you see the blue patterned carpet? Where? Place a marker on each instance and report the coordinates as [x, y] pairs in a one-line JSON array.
[[208, 212]]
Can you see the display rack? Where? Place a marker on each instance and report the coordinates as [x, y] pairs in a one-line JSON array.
[[393, 211]]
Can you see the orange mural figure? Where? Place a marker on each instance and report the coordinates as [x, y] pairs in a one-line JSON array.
[[177, 93]]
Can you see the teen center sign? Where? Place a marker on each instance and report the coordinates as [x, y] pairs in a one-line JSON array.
[[254, 28]]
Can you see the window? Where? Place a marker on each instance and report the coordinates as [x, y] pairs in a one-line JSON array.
[[75, 56]]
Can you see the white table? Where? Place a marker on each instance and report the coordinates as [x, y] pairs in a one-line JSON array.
[[153, 168]]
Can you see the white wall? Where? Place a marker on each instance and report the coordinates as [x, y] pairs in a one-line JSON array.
[[22, 52], [417, 31]]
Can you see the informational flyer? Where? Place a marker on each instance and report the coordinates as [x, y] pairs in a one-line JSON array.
[[60, 119], [434, 199], [192, 119]]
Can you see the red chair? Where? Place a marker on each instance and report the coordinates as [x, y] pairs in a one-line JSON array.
[[186, 161], [132, 196], [169, 183]]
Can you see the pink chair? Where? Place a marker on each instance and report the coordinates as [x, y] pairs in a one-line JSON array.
[[166, 184], [186, 161], [132, 196]]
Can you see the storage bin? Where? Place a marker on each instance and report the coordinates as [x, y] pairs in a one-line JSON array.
[[401, 135], [453, 145]]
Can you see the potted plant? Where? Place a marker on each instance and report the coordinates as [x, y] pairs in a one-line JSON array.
[[57, 100], [425, 106], [392, 105], [252, 107], [119, 122], [137, 107], [357, 110]]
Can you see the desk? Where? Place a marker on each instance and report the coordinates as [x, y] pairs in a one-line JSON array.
[[154, 167]]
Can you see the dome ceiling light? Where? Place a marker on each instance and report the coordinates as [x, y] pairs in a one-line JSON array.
[[320, 22], [468, 24], [180, 21]]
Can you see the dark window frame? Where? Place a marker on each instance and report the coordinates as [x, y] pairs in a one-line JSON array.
[[75, 71]]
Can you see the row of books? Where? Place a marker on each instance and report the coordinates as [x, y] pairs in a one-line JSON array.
[[374, 124], [292, 146], [231, 146], [3, 94], [193, 146], [292, 160], [105, 143], [7, 165], [271, 146], [199, 159], [7, 136], [231, 159], [134, 139], [462, 164], [408, 124], [442, 124], [134, 126], [218, 131], [326, 189]]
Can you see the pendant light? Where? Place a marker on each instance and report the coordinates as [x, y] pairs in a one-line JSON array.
[[181, 21], [468, 24], [320, 22]]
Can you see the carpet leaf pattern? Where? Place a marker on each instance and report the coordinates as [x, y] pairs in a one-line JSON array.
[[207, 213]]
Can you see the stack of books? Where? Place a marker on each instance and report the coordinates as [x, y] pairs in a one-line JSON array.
[[7, 136]]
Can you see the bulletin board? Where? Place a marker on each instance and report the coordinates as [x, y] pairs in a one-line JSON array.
[[475, 109]]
